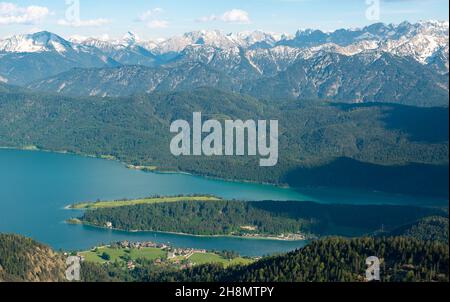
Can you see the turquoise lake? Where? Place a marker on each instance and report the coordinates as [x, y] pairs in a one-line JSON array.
[[36, 186]]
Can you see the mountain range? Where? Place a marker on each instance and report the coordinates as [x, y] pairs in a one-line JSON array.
[[405, 63]]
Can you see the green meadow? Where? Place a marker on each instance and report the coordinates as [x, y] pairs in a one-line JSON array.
[[133, 202], [123, 254]]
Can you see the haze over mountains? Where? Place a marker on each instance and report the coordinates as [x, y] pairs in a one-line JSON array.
[[405, 63]]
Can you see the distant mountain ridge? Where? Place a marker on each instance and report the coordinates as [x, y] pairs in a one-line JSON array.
[[29, 58], [32, 57], [396, 35], [366, 77]]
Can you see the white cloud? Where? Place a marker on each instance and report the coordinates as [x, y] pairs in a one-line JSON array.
[[13, 14], [158, 24], [150, 14], [238, 16], [84, 23]]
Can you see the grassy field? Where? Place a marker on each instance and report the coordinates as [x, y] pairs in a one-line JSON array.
[[121, 254], [132, 202], [117, 254], [200, 258]]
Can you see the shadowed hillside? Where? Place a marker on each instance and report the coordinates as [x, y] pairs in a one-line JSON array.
[[382, 147]]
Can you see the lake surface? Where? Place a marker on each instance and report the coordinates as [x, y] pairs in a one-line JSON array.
[[36, 186]]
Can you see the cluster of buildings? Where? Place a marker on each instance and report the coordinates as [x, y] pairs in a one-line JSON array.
[[171, 252], [177, 256], [183, 253], [139, 245]]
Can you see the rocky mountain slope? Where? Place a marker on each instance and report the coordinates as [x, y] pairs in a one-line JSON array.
[[410, 54]]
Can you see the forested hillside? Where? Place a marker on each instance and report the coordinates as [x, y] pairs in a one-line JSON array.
[[400, 149], [23, 259], [344, 260], [429, 228], [329, 260], [332, 259], [265, 217]]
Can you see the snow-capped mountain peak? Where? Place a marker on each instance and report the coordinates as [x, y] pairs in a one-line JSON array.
[[39, 42], [252, 52], [130, 38]]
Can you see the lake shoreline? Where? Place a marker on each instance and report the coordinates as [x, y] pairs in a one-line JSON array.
[[89, 205], [155, 170], [303, 237], [145, 169], [55, 180]]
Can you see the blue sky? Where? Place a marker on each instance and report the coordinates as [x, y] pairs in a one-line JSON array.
[[152, 19]]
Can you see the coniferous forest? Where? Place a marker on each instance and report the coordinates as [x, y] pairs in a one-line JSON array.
[[328, 260], [385, 147], [264, 217], [334, 259]]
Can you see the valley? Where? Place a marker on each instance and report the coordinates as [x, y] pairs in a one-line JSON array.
[[99, 159]]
